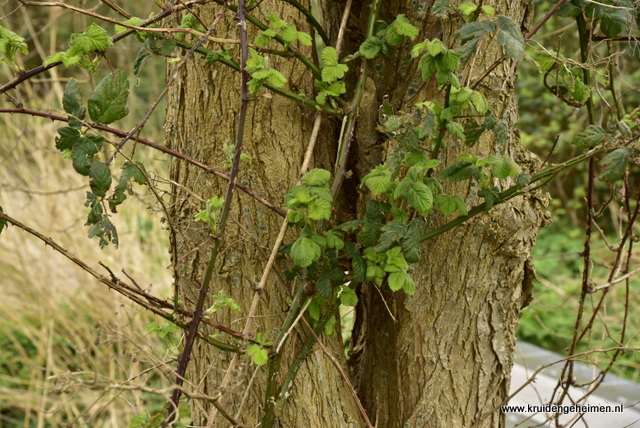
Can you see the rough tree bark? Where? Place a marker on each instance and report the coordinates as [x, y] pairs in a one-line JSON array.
[[447, 358]]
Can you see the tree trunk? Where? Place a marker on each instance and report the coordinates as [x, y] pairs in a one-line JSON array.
[[446, 358]]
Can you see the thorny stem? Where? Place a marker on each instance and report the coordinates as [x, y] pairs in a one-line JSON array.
[[311, 19], [157, 147], [566, 377], [147, 301], [26, 75], [235, 168], [280, 91], [530, 34], [136, 129]]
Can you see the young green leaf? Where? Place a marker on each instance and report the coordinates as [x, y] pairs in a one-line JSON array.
[[10, 43], [108, 102], [316, 177], [372, 47], [467, 8], [401, 281], [95, 38], [450, 204], [348, 296], [395, 261], [403, 27], [319, 209], [420, 197], [332, 70], [305, 251], [258, 354]]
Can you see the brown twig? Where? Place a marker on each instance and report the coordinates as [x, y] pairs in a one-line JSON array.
[[156, 146], [530, 34]]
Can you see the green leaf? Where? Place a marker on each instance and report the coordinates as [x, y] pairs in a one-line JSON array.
[[371, 47], [395, 261], [504, 167], [82, 156], [348, 296], [401, 281], [72, 102], [403, 27], [510, 37], [359, 266], [276, 21], [590, 137], [614, 164], [100, 178], [334, 239], [137, 172], [95, 38], [450, 204], [614, 21], [316, 177], [490, 196], [392, 232], [276, 78], [472, 132], [141, 56], [68, 138], [440, 8], [304, 38], [319, 209], [329, 56], [467, 8], [258, 354], [479, 102], [489, 10], [305, 251], [3, 222], [294, 216], [331, 73], [10, 44], [450, 60], [134, 20], [455, 129], [461, 170], [378, 180], [108, 102], [420, 197], [324, 287], [289, 33]]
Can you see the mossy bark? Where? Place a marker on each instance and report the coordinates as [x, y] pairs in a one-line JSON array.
[[447, 357]]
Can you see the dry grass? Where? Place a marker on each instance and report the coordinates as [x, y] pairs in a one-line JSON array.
[[64, 338]]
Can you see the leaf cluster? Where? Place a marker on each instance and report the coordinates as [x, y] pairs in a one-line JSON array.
[[106, 104], [94, 39], [260, 71], [10, 44], [388, 36], [288, 32]]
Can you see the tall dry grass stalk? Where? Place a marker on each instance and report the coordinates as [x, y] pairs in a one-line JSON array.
[[64, 338]]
